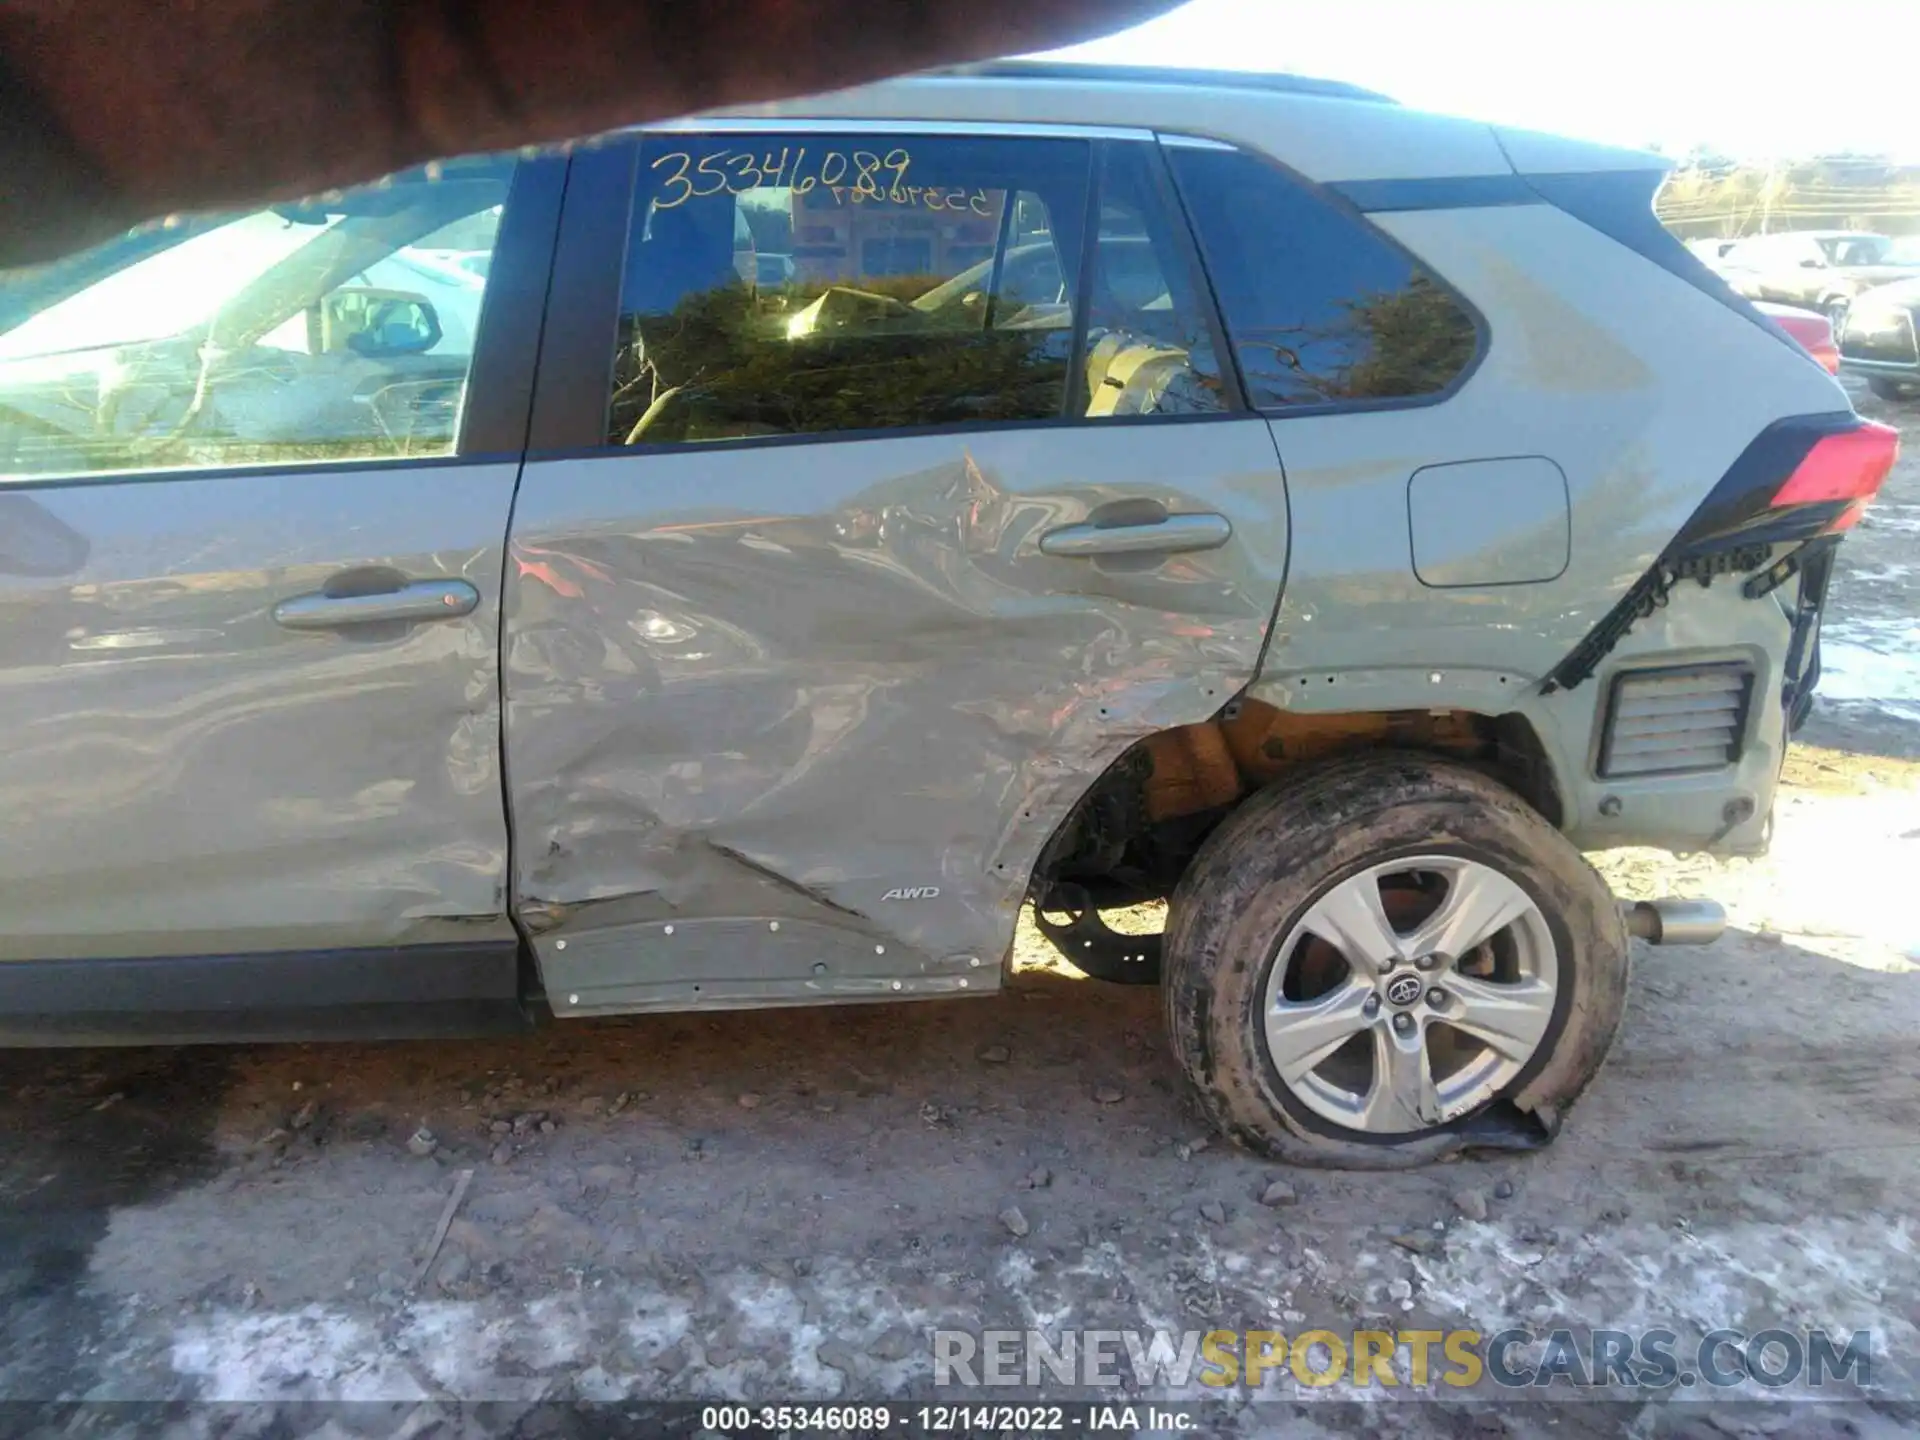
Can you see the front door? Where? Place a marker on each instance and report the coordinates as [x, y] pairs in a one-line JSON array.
[[876, 508], [250, 563]]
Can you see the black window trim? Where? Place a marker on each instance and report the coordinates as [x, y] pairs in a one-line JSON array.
[[583, 306], [499, 400], [73, 479], [1076, 400], [1199, 281], [576, 355], [1483, 332]]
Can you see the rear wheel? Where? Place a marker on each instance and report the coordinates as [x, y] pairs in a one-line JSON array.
[[1889, 389], [1361, 963]]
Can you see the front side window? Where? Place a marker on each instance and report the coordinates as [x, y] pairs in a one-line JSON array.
[[809, 284], [336, 329], [1321, 308]]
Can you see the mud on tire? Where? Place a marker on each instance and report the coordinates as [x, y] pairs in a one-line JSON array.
[[1261, 872]]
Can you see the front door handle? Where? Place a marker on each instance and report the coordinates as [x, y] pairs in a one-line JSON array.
[[1167, 536], [414, 601]]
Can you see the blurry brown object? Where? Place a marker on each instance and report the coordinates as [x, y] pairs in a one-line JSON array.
[[112, 114]]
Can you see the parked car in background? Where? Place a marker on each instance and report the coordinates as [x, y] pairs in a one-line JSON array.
[[1812, 330], [1711, 251], [1824, 270], [1879, 341]]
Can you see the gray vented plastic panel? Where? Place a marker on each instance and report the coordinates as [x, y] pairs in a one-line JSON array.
[[1663, 722]]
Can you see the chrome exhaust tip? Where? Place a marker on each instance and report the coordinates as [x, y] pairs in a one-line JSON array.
[[1675, 922]]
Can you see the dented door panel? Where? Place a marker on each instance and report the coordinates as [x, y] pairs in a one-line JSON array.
[[838, 691], [194, 777]]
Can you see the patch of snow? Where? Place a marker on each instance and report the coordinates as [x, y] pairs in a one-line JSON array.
[[307, 1354], [1817, 1273]]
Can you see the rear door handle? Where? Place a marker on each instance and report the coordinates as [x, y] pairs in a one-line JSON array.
[[1167, 536], [415, 601]]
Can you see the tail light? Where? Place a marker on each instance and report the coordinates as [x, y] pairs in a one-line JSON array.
[[1845, 469], [1801, 478], [1813, 333]]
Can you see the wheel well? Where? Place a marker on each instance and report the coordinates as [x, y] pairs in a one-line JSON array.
[[1132, 834]]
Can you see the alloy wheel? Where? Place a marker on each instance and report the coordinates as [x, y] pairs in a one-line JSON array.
[[1410, 994]]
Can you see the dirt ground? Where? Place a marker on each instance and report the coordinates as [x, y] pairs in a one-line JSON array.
[[780, 1205]]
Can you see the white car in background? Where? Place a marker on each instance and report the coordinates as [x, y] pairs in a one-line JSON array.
[[1711, 251]]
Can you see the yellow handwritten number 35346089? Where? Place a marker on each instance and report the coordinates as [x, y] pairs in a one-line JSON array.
[[861, 173]]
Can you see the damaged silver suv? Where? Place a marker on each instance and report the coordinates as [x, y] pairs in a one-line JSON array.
[[738, 563]]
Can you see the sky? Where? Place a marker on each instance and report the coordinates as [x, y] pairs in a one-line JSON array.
[[1763, 79]]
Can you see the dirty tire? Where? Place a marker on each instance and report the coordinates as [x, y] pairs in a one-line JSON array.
[[1264, 868]]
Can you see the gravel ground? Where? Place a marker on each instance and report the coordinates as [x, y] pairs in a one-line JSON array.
[[781, 1204]]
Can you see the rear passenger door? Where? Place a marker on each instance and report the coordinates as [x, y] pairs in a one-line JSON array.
[[829, 595]]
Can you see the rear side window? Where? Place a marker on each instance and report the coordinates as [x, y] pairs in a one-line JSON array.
[[1321, 308], [812, 283], [816, 284]]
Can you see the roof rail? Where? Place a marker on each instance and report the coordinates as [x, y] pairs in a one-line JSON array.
[[1161, 75]]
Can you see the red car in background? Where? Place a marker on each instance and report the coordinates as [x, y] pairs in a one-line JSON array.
[[1813, 331]]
